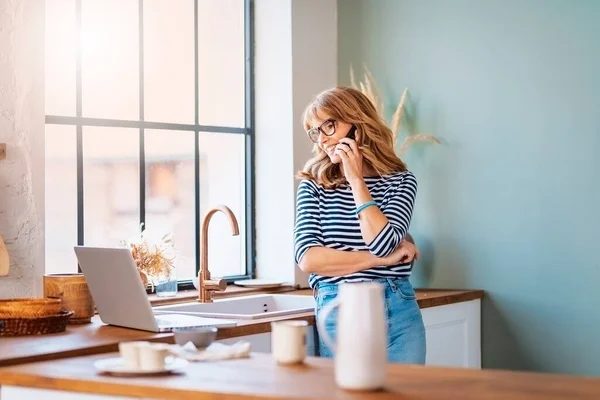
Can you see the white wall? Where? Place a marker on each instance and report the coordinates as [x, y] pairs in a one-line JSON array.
[[296, 58], [314, 46], [22, 129]]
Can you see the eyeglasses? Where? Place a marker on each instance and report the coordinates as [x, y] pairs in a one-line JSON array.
[[327, 128]]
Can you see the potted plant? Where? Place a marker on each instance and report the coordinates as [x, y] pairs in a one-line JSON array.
[[370, 89], [155, 261]]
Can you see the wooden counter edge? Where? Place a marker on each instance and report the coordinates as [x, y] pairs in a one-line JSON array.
[[459, 297], [79, 352], [99, 388], [102, 388], [520, 384], [237, 291]]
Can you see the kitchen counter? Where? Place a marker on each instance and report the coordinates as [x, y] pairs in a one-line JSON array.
[[93, 338], [259, 376], [431, 297], [425, 297], [97, 338]]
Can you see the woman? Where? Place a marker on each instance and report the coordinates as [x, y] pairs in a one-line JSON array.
[[354, 205]]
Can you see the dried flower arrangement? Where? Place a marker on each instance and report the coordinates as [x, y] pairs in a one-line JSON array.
[[152, 259], [369, 88]]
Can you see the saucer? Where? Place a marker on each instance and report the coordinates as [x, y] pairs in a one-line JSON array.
[[115, 366], [259, 283]]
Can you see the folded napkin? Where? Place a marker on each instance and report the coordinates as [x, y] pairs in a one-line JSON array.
[[216, 351]]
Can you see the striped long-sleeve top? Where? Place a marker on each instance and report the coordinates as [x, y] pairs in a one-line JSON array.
[[327, 217]]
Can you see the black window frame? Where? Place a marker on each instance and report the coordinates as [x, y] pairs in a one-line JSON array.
[[79, 121]]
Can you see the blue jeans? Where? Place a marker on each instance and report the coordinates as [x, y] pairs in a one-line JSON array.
[[406, 332]]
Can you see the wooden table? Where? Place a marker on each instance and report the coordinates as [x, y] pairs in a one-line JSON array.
[[260, 376]]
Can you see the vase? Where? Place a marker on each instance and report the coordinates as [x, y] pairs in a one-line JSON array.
[[165, 284]]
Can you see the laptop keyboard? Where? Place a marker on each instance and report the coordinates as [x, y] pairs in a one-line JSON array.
[[177, 320]]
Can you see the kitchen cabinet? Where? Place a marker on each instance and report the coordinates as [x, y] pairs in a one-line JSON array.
[[454, 334], [261, 342]]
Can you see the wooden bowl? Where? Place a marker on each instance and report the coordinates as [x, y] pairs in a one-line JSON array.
[[30, 307], [75, 294]]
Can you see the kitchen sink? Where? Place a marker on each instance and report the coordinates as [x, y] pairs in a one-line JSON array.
[[246, 307]]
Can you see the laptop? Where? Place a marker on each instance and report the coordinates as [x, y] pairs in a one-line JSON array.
[[121, 298]]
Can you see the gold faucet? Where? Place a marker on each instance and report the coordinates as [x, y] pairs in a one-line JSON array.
[[205, 284]]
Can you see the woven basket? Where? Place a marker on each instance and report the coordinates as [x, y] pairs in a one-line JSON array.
[[30, 307], [35, 326]]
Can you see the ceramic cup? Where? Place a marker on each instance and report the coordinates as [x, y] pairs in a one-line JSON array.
[[288, 341], [130, 353], [152, 357]]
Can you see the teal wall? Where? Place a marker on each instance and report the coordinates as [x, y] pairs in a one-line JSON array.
[[510, 202]]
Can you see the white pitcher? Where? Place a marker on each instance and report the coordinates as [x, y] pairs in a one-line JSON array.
[[361, 349]]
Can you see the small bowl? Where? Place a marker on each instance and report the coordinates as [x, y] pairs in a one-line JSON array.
[[201, 337]]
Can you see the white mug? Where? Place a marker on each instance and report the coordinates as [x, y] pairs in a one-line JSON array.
[[152, 357], [288, 341], [130, 353]]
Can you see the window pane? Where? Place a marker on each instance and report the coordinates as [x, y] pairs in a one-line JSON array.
[[169, 61], [221, 62], [61, 44], [222, 181], [61, 198], [170, 200], [110, 185], [110, 68]]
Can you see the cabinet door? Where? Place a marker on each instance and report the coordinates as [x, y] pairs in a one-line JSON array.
[[454, 334], [261, 342]]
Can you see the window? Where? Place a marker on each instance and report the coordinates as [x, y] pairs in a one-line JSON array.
[[149, 120]]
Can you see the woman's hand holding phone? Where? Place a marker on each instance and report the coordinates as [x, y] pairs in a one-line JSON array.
[[348, 151]]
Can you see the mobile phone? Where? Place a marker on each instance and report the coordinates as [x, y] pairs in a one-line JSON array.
[[352, 133]]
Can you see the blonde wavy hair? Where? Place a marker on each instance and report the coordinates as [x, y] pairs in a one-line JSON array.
[[373, 137]]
